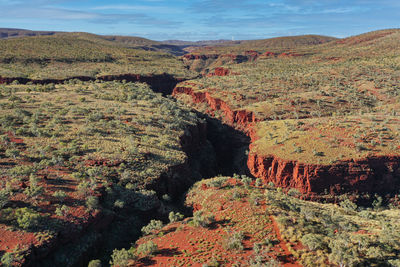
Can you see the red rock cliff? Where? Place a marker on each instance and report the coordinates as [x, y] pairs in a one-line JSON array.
[[238, 118], [378, 174], [373, 175]]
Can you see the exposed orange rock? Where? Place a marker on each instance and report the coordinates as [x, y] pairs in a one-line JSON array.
[[221, 71], [372, 175], [238, 118]]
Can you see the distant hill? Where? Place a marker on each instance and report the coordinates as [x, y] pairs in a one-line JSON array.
[[121, 41], [64, 55], [275, 44], [200, 43], [13, 33]]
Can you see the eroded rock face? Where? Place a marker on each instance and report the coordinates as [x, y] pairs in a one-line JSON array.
[[162, 83], [238, 118], [221, 72], [372, 175]]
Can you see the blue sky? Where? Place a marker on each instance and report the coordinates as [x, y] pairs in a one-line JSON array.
[[203, 19]]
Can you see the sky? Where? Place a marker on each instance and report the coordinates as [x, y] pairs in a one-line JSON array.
[[203, 19]]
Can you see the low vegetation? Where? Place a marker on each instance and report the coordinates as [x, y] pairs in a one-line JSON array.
[[78, 151], [267, 226]]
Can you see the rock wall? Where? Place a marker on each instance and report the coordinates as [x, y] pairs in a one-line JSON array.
[[372, 175], [238, 118], [162, 83]]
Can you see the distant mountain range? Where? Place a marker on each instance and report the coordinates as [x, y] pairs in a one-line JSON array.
[[175, 47]]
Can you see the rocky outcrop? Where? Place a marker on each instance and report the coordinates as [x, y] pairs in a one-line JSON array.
[[162, 83], [372, 175], [268, 54], [237, 118], [198, 56], [221, 72]]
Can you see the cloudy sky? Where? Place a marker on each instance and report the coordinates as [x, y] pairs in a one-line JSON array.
[[203, 19]]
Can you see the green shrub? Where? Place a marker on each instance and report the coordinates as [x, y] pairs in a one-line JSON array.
[[27, 219], [7, 259], [348, 206], [121, 257], [95, 263], [92, 202], [148, 248], [60, 194], [12, 153], [313, 241], [174, 217], [153, 225], [199, 219], [62, 211], [4, 198], [246, 181], [234, 241]]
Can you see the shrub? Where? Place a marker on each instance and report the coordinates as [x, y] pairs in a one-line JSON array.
[[60, 194], [3, 198], [92, 202], [246, 181], [313, 241], [94, 263], [62, 211], [174, 217], [202, 220], [148, 248], [119, 204], [12, 153], [121, 257], [154, 225], [27, 219], [166, 198], [348, 206], [343, 252], [234, 241], [7, 259], [34, 190]]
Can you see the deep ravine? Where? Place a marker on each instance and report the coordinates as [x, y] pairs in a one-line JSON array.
[[212, 148]]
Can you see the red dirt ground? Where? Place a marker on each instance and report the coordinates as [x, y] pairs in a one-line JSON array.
[[182, 244]]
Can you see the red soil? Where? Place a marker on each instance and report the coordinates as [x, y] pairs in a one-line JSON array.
[[185, 245], [290, 261]]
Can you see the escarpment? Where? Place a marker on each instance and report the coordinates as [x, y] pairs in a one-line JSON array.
[[374, 174], [371, 175], [162, 83], [237, 118]]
